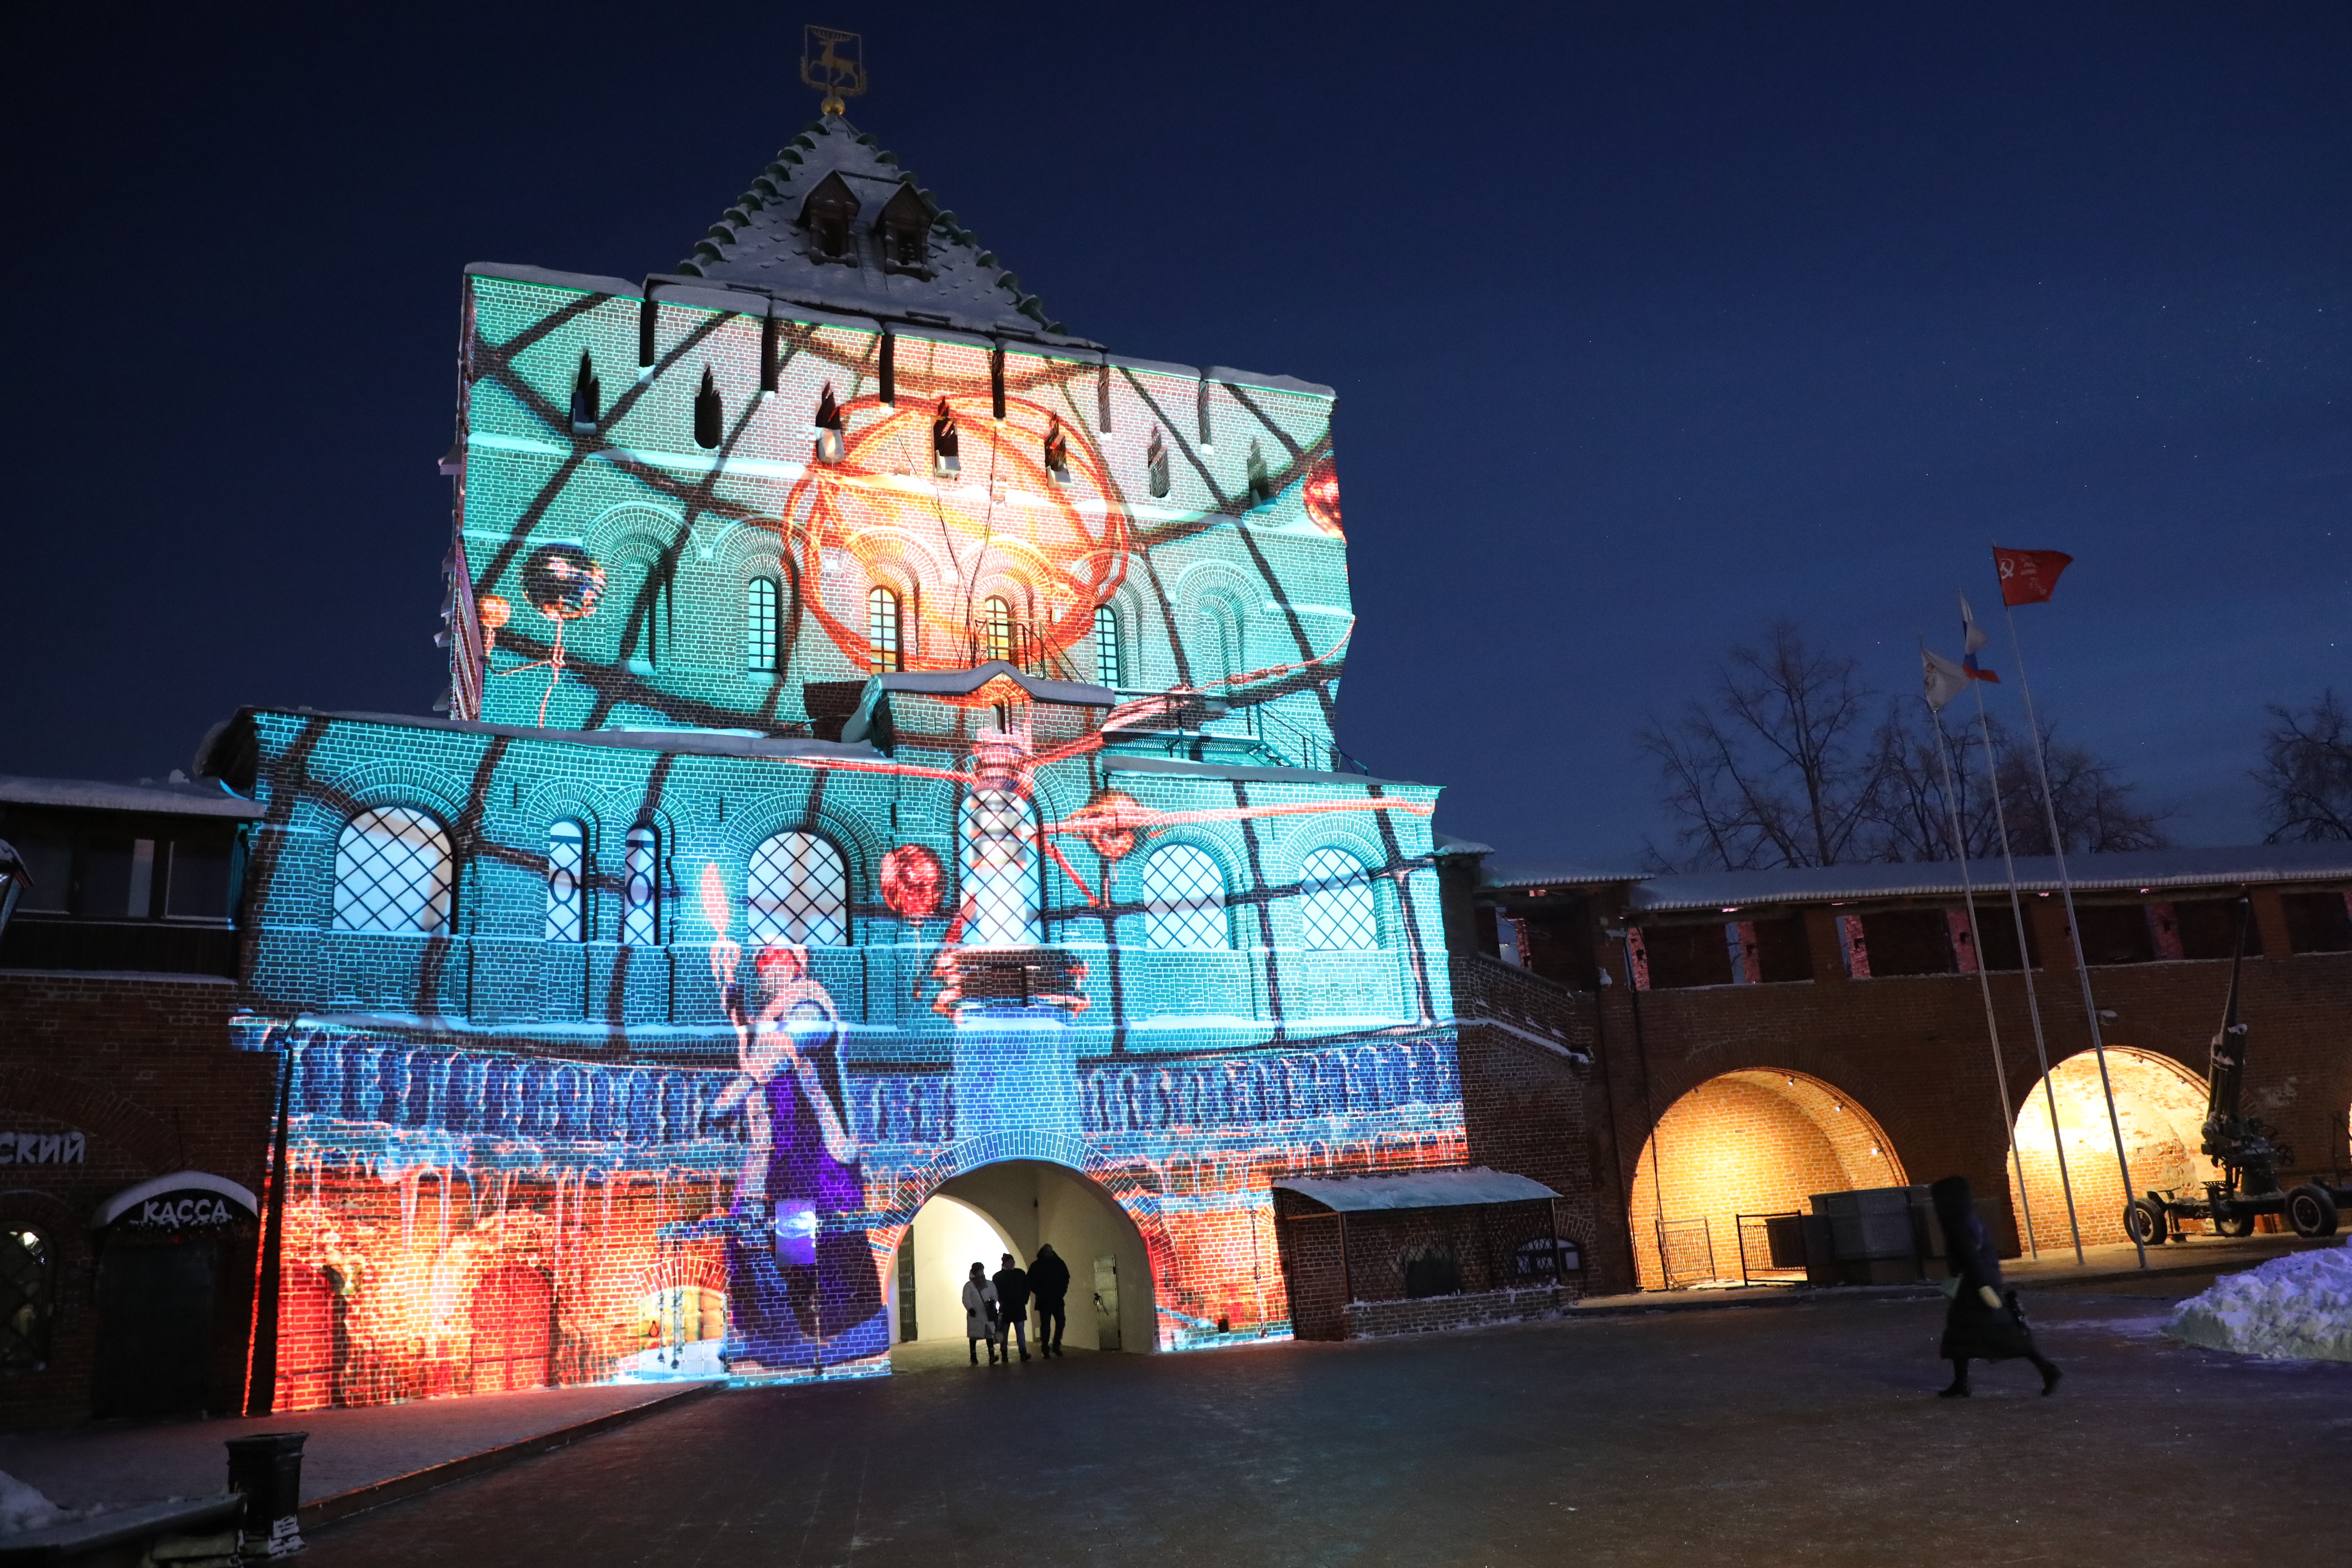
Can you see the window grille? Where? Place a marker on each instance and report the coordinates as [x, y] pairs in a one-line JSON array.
[[1000, 868], [882, 631], [392, 872], [27, 1290], [761, 600], [1334, 909], [641, 888], [1184, 899], [996, 629], [567, 895], [1109, 667], [798, 891]]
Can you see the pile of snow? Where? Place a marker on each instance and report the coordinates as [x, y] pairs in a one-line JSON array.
[[2298, 1307], [22, 1508]]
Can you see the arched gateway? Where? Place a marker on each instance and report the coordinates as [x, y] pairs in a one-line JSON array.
[[1739, 1147]]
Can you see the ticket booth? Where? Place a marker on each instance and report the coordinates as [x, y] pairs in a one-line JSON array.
[[166, 1250]]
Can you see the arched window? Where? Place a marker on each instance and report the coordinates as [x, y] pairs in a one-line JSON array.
[[760, 602], [995, 629], [28, 1269], [883, 643], [798, 893], [1224, 631], [1000, 868], [641, 888], [1184, 899], [567, 876], [1336, 912], [1110, 667], [392, 872]]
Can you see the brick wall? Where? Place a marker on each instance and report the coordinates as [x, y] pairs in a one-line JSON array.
[[1912, 1053], [144, 1071], [1436, 1314]]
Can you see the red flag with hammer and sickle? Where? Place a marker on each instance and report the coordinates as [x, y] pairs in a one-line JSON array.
[[2029, 576]]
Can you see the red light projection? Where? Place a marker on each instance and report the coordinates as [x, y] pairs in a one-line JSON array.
[[1004, 518]]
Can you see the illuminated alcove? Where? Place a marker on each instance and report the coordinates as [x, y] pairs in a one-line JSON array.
[[2161, 1107], [1754, 1142], [1012, 1206]]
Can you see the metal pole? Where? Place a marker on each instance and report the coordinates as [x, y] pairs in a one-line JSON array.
[[2025, 967], [2074, 930], [1984, 980]]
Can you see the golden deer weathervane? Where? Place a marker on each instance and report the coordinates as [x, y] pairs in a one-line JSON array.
[[833, 62]]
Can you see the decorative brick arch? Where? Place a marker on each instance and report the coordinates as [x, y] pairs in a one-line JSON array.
[[1129, 1190]]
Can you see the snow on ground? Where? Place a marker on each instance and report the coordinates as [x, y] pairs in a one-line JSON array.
[[22, 1508], [2297, 1307]]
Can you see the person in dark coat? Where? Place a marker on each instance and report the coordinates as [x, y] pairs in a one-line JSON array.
[[1049, 1284], [1981, 1325], [1013, 1307]]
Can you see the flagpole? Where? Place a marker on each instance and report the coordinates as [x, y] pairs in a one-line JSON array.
[[2073, 930], [1984, 982], [2025, 968]]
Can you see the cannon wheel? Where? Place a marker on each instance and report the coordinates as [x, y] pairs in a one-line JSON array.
[[2228, 1219], [2144, 1222], [2311, 1209]]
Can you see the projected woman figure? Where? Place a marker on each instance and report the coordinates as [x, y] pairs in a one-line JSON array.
[[802, 1287]]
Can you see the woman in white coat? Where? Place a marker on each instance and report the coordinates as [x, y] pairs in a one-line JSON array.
[[980, 1313]]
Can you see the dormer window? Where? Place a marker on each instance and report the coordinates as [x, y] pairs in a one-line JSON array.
[[1058, 451], [904, 227], [587, 399], [830, 215], [1155, 466], [828, 427], [945, 463]]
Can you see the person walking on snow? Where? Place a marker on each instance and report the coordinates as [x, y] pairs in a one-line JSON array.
[[1981, 1325], [1011, 1307], [1049, 1283], [980, 1313]]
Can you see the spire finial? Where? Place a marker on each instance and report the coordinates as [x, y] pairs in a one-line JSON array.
[[833, 62]]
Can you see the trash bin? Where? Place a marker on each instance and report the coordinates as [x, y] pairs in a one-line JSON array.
[[268, 1470]]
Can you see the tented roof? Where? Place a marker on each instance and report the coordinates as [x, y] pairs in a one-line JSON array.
[[1418, 1190], [759, 243]]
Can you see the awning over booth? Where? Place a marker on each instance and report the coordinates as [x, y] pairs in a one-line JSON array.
[[1418, 1190]]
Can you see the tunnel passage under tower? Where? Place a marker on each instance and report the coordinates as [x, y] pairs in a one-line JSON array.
[[1754, 1142], [2161, 1106]]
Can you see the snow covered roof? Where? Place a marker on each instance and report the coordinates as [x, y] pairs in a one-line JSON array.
[[1417, 1190], [1446, 844], [964, 682], [1115, 763], [2140, 869], [693, 742], [760, 243], [182, 799], [1513, 874]]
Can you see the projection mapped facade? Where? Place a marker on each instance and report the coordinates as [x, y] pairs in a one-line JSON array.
[[889, 736]]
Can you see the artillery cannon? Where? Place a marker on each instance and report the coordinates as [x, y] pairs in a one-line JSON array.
[[2248, 1149]]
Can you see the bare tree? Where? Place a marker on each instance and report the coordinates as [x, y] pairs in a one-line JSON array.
[[2096, 813], [2306, 773], [1778, 769]]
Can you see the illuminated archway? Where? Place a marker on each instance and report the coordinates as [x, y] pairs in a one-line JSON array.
[[2161, 1106], [1758, 1141]]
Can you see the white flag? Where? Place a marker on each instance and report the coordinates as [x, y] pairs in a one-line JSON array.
[[1945, 680]]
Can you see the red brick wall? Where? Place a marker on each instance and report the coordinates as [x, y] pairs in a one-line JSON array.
[[144, 1069], [1913, 1052]]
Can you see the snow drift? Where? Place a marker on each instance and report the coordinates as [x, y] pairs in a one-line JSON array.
[[2298, 1307]]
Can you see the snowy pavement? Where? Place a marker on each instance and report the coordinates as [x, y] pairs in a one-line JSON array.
[[115, 1465], [1754, 1437]]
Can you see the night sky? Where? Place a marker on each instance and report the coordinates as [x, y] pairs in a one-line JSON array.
[[1650, 323]]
